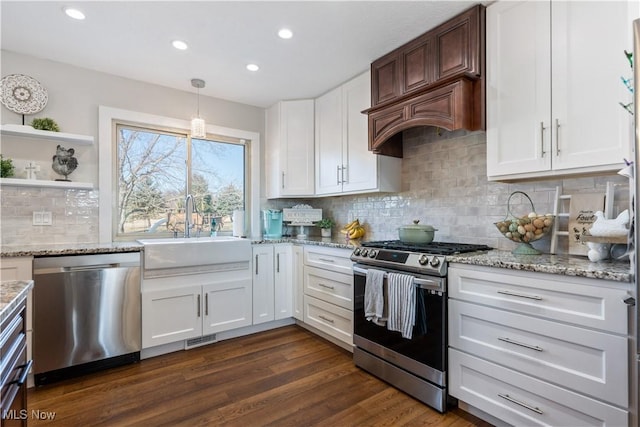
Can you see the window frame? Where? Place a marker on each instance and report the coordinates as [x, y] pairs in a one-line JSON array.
[[109, 117]]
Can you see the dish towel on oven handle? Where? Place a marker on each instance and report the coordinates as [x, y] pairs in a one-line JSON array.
[[374, 306], [402, 303]]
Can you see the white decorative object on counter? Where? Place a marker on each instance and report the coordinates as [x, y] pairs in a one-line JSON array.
[[617, 227], [598, 251]]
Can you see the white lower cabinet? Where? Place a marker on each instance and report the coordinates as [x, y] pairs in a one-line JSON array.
[[539, 349], [180, 308], [328, 291], [522, 400], [272, 282], [297, 274]]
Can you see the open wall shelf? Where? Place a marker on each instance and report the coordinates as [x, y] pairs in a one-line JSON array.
[[45, 184], [29, 132]]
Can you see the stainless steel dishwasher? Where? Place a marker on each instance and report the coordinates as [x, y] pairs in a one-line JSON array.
[[86, 314]]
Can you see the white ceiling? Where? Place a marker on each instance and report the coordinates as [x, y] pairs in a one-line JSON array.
[[333, 40]]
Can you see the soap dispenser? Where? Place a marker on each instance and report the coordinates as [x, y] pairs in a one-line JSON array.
[[214, 227]]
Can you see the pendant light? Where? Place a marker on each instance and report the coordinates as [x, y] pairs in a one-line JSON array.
[[198, 127]]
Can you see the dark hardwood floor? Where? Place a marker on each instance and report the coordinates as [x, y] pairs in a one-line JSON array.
[[283, 377]]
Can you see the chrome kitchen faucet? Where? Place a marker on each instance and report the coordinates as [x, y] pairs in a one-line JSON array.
[[187, 214]]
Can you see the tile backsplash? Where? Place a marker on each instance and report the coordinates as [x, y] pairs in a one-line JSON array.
[[75, 215], [444, 184]]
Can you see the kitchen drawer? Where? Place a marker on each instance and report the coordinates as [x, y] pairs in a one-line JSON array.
[[334, 259], [333, 320], [521, 400], [583, 360], [14, 375], [585, 302], [335, 288]]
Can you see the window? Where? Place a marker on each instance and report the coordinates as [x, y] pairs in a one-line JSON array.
[[157, 168]]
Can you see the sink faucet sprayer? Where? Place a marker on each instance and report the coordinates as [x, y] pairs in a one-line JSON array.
[[187, 214]]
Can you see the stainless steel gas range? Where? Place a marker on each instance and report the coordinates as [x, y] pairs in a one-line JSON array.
[[417, 364]]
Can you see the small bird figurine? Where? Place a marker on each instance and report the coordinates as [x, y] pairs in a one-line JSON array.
[[64, 163]]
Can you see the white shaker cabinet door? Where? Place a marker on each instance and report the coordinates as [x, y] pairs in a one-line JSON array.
[[518, 88], [328, 124], [289, 152], [263, 296], [589, 127], [227, 305], [171, 315], [360, 166], [283, 281]]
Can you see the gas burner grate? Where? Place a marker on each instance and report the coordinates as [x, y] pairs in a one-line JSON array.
[[436, 248]]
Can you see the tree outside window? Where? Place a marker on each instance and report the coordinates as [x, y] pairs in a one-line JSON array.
[[156, 169]]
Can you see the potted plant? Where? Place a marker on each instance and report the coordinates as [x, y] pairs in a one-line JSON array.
[[325, 225], [7, 167], [45, 124]]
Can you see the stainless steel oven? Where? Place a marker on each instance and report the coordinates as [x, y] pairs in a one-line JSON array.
[[415, 365]]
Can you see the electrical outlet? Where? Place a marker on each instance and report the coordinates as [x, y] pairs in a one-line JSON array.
[[47, 218], [37, 218], [42, 218]]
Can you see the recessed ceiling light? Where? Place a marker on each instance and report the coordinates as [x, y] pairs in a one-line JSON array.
[[74, 13], [285, 33], [252, 67], [179, 44]]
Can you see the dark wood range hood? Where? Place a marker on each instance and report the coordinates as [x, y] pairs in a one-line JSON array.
[[436, 79]]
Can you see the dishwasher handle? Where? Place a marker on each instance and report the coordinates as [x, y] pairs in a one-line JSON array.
[[90, 267]]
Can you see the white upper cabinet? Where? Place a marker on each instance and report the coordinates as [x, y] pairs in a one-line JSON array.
[[289, 149], [554, 87], [344, 163], [329, 142]]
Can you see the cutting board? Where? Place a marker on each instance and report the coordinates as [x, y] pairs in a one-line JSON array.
[[582, 209]]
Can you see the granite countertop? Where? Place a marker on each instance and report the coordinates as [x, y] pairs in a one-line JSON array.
[[619, 271], [69, 249], [12, 293], [555, 264], [329, 242]]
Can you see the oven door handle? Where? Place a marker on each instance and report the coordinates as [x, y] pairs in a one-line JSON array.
[[421, 283]]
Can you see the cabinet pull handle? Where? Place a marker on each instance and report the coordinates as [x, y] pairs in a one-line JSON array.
[[521, 344], [326, 319], [542, 128], [557, 137], [206, 304], [278, 263], [338, 174], [282, 180], [23, 376], [198, 305], [342, 174], [326, 286], [256, 265], [327, 259], [517, 402], [629, 301], [513, 294]]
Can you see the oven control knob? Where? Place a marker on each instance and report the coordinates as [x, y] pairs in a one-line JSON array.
[[356, 251], [435, 261], [364, 252], [373, 253], [423, 259]]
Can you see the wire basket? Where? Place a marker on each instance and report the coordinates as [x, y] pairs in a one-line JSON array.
[[525, 229]]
